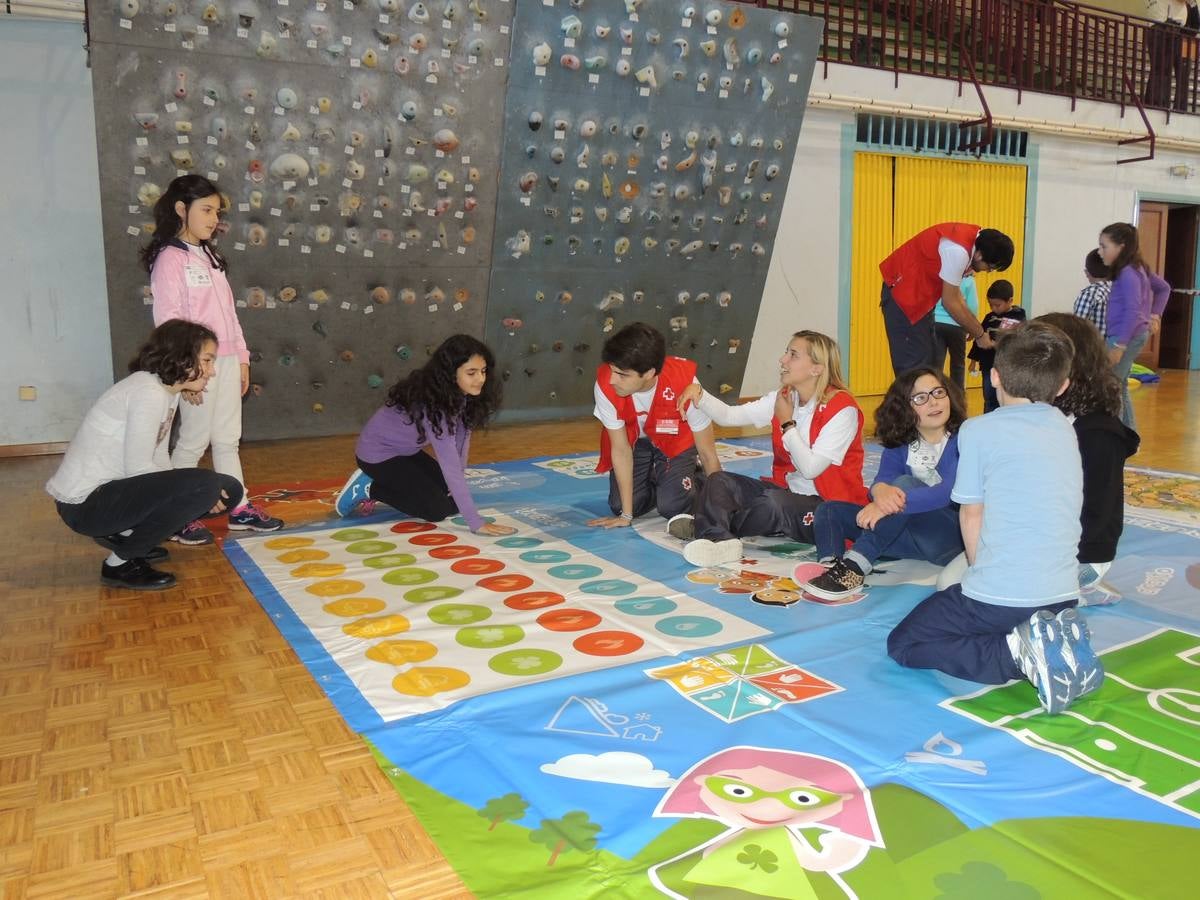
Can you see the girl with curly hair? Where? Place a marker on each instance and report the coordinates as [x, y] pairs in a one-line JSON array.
[[1092, 402], [437, 406], [910, 515]]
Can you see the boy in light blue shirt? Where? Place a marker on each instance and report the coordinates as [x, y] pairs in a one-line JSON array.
[[1020, 490], [950, 337]]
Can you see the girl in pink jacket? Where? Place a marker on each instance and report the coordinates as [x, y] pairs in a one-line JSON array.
[[187, 277]]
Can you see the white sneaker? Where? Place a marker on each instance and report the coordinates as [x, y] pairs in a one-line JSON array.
[[682, 526], [705, 553]]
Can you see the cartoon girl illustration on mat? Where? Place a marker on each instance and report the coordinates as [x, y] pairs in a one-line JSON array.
[[795, 819]]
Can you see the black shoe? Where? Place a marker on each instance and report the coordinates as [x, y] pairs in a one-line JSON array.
[[136, 575], [157, 555]]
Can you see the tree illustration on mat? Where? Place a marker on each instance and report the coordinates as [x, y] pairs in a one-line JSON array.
[[574, 831], [508, 808]]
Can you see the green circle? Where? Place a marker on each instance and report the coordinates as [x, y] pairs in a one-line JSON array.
[[545, 557], [388, 560], [459, 614], [524, 663], [405, 577], [365, 547], [429, 594], [354, 534], [489, 636], [459, 520], [611, 587], [518, 542]]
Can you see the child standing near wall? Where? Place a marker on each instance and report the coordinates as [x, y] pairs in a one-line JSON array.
[[1003, 315], [1092, 302], [950, 337], [187, 277]]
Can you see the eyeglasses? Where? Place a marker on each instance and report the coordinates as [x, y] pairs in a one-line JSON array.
[[922, 397]]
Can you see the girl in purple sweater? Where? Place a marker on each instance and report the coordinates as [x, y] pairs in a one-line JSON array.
[[1135, 304], [437, 406]]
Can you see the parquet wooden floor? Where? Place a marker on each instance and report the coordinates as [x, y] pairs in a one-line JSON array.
[[173, 745]]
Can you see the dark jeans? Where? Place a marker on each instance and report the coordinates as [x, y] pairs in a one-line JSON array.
[[990, 400], [154, 506], [670, 485], [911, 344], [733, 505], [933, 536], [962, 637], [952, 339], [1164, 46], [414, 485]]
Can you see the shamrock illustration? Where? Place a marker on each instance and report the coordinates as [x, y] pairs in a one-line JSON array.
[[756, 857]]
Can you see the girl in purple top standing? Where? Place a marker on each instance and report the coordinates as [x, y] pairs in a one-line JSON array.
[[437, 406], [1135, 304]]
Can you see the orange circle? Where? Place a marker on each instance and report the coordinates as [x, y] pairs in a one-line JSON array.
[[505, 583], [534, 600], [453, 551], [289, 543], [477, 566], [425, 681], [411, 527], [630, 189], [568, 620], [608, 643], [335, 587], [432, 540], [299, 556]]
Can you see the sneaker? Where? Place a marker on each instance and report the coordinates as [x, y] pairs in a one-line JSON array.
[[250, 518], [705, 553], [193, 534], [135, 575], [682, 527], [1088, 671], [838, 582], [1039, 653], [356, 489]]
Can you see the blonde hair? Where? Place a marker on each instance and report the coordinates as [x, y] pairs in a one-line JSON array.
[[824, 351]]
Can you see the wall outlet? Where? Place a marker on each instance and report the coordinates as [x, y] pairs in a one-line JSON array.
[[27, 392]]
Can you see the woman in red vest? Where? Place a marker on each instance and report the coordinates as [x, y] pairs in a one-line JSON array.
[[928, 268], [816, 430]]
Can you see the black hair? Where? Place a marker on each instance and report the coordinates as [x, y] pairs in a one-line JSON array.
[[1093, 387], [1131, 255], [637, 347], [896, 418], [431, 393], [1033, 360], [167, 224], [1094, 266], [995, 248], [172, 352], [1000, 289]]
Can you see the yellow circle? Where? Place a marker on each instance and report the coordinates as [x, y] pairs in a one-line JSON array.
[[299, 556], [318, 570], [289, 543], [379, 626], [401, 653], [425, 681], [354, 606], [335, 587]]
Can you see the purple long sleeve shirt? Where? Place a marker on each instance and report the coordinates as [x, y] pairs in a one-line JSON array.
[[1136, 295], [390, 432]]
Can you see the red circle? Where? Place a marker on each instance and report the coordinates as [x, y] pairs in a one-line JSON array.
[[608, 643], [534, 600], [453, 551], [568, 620], [411, 527], [477, 566], [432, 540], [505, 583]]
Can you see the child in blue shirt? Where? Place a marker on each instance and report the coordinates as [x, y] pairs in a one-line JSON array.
[[910, 515], [1003, 315], [1020, 489], [950, 337]]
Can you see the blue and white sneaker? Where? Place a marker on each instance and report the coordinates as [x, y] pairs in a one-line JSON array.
[[1087, 670], [356, 489], [249, 517], [1039, 653]]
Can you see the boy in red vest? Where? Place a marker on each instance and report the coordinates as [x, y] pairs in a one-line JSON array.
[[649, 448], [928, 268]]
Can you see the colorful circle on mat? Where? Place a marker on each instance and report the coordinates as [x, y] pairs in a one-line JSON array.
[[646, 606], [353, 534], [608, 643], [518, 543], [459, 614], [425, 681], [568, 620], [318, 570], [574, 571], [367, 547], [504, 583], [403, 577], [453, 551], [289, 543], [377, 626], [459, 520], [401, 653], [534, 600], [412, 527], [523, 663], [432, 540], [354, 606], [488, 636], [689, 626], [429, 594], [612, 587], [298, 556], [545, 557], [477, 565], [389, 560], [708, 576], [335, 587]]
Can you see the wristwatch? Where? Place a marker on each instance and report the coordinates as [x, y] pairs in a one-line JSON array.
[[784, 426]]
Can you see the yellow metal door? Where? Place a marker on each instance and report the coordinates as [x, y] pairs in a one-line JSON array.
[[872, 241]]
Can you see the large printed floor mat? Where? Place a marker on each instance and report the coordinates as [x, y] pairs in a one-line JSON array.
[[576, 713]]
